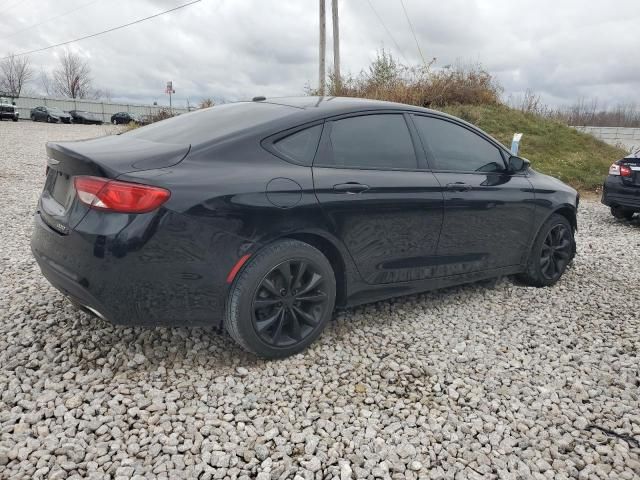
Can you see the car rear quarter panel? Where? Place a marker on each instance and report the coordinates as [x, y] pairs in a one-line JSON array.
[[220, 210]]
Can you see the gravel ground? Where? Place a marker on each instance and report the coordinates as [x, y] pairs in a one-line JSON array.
[[482, 381]]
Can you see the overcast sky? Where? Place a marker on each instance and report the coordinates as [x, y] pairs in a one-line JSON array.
[[235, 49]]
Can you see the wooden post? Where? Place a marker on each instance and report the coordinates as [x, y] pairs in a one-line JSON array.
[[323, 42], [336, 47]]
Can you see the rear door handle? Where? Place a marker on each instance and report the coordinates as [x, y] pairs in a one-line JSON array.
[[350, 187], [459, 187]]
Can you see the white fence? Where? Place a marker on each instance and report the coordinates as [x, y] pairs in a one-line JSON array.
[[105, 109], [627, 138]]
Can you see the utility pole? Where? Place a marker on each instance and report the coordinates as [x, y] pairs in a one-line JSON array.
[[336, 48], [323, 42]]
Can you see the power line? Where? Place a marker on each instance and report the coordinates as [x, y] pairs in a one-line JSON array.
[[413, 32], [50, 19], [104, 31], [387, 30]]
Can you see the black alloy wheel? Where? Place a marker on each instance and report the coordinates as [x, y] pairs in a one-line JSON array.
[[551, 253], [556, 252], [281, 299], [289, 303]]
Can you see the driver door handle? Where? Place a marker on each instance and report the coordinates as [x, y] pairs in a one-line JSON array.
[[350, 187], [459, 187]]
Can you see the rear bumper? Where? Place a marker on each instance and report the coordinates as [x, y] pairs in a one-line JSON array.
[[136, 272], [616, 194]]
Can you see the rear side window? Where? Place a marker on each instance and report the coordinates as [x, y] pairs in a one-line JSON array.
[[371, 141], [301, 146], [456, 148], [211, 123]]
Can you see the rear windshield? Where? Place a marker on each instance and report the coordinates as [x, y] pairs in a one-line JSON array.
[[211, 124]]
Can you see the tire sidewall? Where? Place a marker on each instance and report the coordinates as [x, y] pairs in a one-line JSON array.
[[534, 267], [244, 288]]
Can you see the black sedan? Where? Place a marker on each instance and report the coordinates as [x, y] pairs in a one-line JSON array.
[[80, 116], [49, 115], [261, 217], [621, 189], [121, 118]]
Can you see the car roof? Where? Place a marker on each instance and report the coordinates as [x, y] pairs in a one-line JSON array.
[[331, 105]]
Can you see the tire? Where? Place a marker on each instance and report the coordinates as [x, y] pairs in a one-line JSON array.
[[48, 119], [285, 324], [115, 122], [622, 213], [539, 272], [14, 119], [33, 118]]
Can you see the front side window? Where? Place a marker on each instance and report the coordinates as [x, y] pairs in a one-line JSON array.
[[300, 146], [456, 148], [371, 141]]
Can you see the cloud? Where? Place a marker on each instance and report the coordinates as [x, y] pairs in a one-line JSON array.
[[235, 49]]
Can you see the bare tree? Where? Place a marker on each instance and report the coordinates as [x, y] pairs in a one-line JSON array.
[[72, 77], [206, 103], [15, 72], [102, 94]]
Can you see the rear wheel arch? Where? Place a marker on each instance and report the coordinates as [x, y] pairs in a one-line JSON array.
[[333, 254]]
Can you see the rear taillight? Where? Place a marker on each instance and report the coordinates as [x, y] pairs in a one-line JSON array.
[[625, 171], [116, 196], [620, 170]]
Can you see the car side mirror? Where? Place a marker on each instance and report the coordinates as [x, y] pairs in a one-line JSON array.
[[518, 164]]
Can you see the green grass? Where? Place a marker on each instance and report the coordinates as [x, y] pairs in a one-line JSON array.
[[553, 148]]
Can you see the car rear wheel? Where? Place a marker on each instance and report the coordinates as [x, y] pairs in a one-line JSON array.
[[552, 251], [281, 300], [115, 122], [622, 213]]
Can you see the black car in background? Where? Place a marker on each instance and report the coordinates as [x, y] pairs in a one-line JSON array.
[[79, 116], [621, 189], [49, 115], [124, 118], [260, 217]]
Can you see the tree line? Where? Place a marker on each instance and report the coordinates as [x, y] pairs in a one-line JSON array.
[[70, 78]]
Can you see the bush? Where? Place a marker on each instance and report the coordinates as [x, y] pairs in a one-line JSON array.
[[387, 79]]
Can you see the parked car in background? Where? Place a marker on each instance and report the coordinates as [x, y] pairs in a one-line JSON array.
[[621, 189], [260, 217], [124, 118], [8, 110], [80, 116], [49, 115]]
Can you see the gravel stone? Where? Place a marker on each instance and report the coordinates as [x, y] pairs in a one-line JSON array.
[[459, 383]]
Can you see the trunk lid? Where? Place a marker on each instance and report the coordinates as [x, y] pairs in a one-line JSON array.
[[107, 157]]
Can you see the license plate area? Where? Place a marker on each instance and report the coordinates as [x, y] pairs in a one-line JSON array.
[[60, 187]]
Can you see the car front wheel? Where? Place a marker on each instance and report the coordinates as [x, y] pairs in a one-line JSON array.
[[552, 251], [281, 300]]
